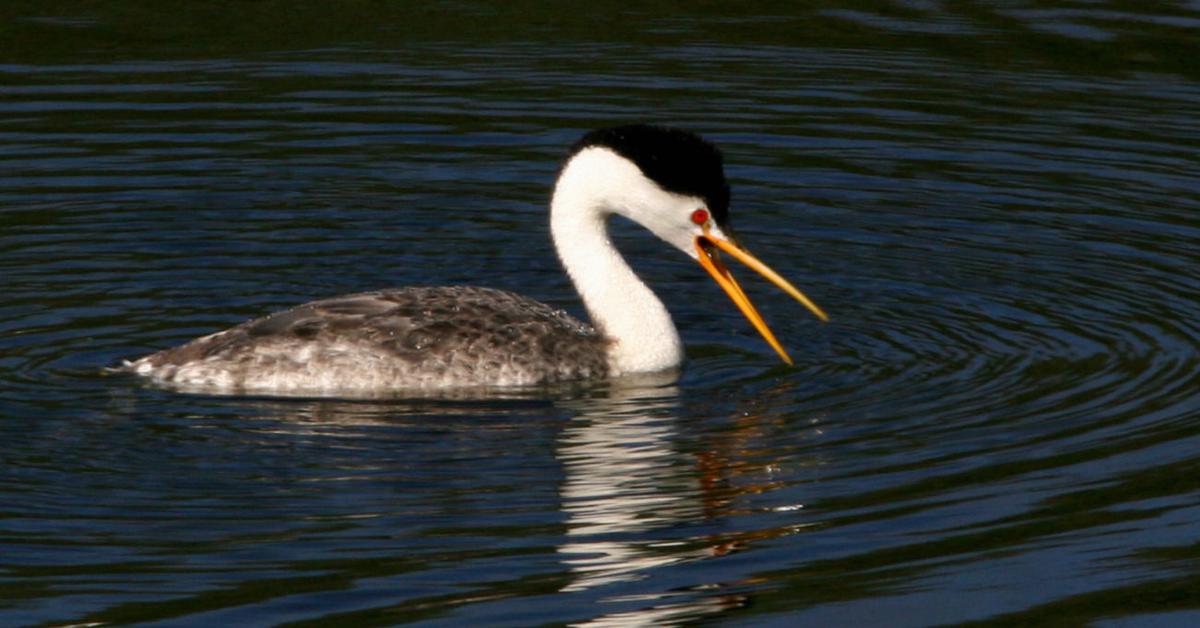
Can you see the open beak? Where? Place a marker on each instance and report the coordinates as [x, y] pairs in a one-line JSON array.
[[711, 261]]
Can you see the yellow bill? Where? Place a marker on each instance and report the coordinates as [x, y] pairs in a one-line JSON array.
[[711, 262]]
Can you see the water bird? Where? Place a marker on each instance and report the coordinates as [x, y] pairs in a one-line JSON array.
[[668, 180]]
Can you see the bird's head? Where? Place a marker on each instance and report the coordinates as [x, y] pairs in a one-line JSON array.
[[673, 183]]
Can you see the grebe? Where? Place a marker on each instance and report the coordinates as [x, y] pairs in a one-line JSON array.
[[670, 181]]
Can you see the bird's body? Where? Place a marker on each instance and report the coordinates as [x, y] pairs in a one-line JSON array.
[[669, 181], [407, 338]]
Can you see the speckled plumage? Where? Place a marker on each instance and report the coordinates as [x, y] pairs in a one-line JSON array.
[[407, 338]]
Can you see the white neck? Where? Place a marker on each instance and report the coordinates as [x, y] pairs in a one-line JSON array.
[[643, 337]]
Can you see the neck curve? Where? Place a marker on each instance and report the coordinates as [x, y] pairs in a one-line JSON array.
[[642, 334]]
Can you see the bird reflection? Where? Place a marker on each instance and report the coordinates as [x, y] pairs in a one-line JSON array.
[[625, 478], [638, 494]]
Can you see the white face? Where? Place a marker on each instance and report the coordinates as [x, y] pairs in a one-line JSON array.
[[623, 189]]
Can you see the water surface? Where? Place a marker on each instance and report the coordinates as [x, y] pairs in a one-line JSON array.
[[996, 204]]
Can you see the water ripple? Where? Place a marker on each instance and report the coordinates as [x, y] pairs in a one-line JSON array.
[[1006, 243]]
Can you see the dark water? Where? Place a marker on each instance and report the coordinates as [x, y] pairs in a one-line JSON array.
[[997, 203]]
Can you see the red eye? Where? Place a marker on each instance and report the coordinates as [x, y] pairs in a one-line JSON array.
[[700, 216]]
